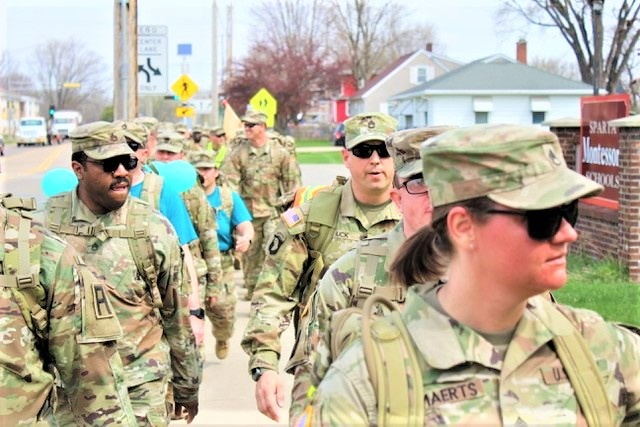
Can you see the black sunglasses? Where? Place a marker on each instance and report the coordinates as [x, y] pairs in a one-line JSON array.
[[364, 151], [543, 224], [250, 125], [111, 164], [135, 146]]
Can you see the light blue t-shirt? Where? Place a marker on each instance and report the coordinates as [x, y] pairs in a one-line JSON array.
[[239, 214], [172, 206]]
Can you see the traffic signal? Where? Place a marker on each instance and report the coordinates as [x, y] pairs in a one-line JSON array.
[[172, 97], [52, 110]]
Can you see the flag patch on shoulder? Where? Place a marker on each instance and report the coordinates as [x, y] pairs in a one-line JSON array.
[[292, 217]]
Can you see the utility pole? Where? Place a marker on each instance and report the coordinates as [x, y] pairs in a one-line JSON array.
[[214, 63], [596, 17], [229, 39], [125, 97]]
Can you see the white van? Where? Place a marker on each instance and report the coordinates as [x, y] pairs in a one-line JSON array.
[[32, 130], [64, 122]]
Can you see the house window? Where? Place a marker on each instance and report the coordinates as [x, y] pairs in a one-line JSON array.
[[537, 117], [482, 117], [426, 118], [408, 121], [421, 74]]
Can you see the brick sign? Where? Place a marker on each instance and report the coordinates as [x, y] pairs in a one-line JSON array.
[[599, 150]]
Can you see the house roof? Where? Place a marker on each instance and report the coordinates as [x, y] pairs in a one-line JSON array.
[[390, 69], [494, 75]]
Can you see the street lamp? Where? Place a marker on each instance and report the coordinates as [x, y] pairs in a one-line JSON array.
[[596, 17]]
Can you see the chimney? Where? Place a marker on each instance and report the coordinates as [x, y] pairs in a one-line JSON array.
[[521, 51], [429, 47]]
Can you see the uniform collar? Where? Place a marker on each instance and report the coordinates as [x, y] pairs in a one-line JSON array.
[[349, 207]]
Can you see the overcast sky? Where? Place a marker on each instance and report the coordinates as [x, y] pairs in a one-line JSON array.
[[465, 27]]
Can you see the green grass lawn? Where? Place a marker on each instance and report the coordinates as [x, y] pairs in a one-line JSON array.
[[602, 286]]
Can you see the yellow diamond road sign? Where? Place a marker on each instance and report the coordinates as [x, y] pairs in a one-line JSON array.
[[265, 102], [184, 87], [185, 111]]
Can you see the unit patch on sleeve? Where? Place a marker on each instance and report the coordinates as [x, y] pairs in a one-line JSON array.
[[276, 243]]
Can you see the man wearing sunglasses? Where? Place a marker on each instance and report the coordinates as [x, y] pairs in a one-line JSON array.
[[296, 260], [151, 188], [136, 250], [260, 170], [364, 270]]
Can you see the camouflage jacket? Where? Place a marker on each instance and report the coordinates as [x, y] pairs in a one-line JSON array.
[[471, 383], [83, 357], [279, 291], [260, 175], [206, 247], [157, 342]]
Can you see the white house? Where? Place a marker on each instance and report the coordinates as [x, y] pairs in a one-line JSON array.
[[496, 89]]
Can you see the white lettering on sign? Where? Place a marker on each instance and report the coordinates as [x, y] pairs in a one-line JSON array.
[[604, 179], [601, 128], [599, 155]]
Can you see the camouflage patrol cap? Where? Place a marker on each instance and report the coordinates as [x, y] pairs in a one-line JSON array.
[[368, 127], [404, 147], [217, 131], [254, 117], [180, 128], [134, 131], [202, 159], [99, 140], [170, 141], [521, 167], [196, 128], [151, 123]]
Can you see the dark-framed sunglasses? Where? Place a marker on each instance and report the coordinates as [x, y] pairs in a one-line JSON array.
[[543, 224], [364, 151], [111, 164], [250, 125], [135, 146], [415, 186]]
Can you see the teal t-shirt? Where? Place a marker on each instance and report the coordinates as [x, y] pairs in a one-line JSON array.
[[239, 214]]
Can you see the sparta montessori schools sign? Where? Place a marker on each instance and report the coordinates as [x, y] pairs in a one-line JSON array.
[[599, 151]]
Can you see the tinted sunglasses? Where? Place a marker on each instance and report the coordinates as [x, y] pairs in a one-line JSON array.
[[250, 125], [364, 151], [111, 164], [135, 146], [543, 224]]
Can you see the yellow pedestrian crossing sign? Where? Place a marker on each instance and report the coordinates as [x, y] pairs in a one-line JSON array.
[[184, 87], [185, 111], [265, 102]]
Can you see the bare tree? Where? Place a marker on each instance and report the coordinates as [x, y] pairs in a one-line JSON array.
[[11, 79], [372, 36], [57, 62], [574, 20], [556, 66]]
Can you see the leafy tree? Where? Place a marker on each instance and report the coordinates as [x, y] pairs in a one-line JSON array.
[[56, 62], [290, 60], [574, 20]]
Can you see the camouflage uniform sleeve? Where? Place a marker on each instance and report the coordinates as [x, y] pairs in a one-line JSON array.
[[291, 174], [185, 359], [345, 396], [314, 339], [275, 297], [83, 347], [231, 170]]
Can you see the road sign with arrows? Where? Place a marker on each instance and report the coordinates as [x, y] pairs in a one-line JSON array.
[[265, 102], [185, 111], [152, 60]]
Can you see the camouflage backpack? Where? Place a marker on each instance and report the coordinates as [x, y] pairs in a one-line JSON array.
[[137, 235], [226, 201], [394, 365], [20, 268], [152, 188]]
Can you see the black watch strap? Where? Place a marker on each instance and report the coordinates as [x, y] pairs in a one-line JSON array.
[[199, 313], [256, 373]]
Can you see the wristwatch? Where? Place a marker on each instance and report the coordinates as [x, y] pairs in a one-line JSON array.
[[256, 373], [199, 313]]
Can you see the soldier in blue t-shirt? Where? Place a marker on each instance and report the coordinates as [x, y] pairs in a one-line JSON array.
[[235, 233]]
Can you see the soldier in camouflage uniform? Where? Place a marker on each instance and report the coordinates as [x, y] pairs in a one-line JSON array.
[[152, 125], [260, 170], [218, 144], [235, 234], [136, 250], [197, 141], [204, 250], [41, 328], [358, 209], [504, 205], [364, 270]]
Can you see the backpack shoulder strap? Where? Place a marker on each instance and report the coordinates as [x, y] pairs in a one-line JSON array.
[[393, 366], [580, 366], [322, 218], [226, 200], [151, 189]]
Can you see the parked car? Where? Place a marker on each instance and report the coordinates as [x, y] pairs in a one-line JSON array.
[[32, 130], [338, 135], [1, 146]]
